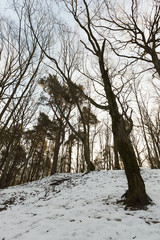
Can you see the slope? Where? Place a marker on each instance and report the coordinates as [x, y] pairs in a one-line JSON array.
[[78, 207]]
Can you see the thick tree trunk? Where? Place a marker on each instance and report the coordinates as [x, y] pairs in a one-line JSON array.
[[136, 194]]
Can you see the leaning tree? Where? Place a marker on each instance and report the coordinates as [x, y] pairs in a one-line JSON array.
[[86, 17]]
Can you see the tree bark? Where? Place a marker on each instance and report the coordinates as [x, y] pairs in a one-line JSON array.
[[56, 152], [90, 165], [116, 158], [77, 157], [136, 194]]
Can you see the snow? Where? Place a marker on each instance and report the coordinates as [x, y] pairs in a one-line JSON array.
[[79, 208]]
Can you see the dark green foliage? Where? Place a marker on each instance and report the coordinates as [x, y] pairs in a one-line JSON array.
[[45, 125], [61, 92], [88, 116]]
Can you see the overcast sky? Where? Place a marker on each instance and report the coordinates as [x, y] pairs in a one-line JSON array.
[[3, 5]]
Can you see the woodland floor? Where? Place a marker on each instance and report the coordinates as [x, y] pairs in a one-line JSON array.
[[79, 207]]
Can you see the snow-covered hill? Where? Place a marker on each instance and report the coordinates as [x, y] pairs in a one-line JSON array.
[[78, 207]]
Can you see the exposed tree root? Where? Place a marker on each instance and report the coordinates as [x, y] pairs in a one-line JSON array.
[[136, 200]]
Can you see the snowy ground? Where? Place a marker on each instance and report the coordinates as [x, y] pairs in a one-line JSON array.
[[83, 207]]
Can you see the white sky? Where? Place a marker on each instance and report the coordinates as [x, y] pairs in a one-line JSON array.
[[3, 4]]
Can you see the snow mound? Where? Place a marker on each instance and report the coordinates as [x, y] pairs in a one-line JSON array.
[[78, 207]]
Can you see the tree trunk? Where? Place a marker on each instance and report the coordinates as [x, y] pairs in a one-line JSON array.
[[90, 165], [6, 167], [77, 157], [24, 169], [70, 156], [31, 167], [116, 158], [56, 152], [40, 160], [138, 156], [136, 194]]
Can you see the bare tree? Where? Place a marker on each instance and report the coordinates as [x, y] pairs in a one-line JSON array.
[[85, 15], [151, 125], [137, 31], [96, 45], [20, 58]]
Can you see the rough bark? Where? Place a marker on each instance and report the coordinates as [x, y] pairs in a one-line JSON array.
[[136, 194]]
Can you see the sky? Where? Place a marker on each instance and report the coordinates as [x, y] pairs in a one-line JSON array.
[[3, 4]]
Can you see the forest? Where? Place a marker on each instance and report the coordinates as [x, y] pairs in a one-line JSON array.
[[79, 90]]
